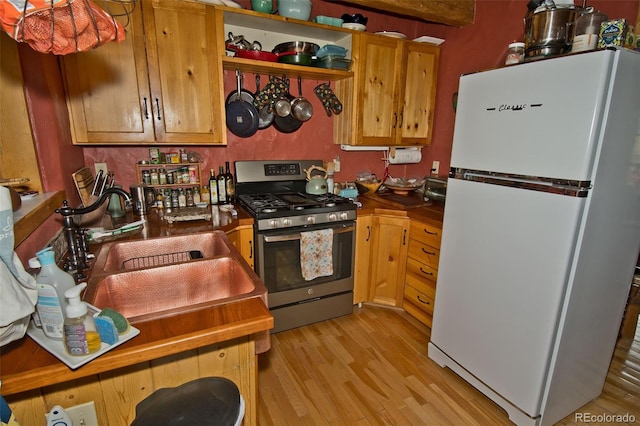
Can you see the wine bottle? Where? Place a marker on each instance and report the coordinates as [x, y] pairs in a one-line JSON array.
[[222, 187], [213, 188], [230, 184]]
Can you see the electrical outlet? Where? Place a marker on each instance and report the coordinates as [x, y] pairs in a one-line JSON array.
[[100, 166], [435, 168], [336, 164], [83, 414]]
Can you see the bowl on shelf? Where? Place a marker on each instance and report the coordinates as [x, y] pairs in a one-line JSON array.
[[328, 20], [334, 62], [354, 26], [297, 9], [304, 47]]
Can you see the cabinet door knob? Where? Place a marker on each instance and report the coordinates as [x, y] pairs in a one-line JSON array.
[[146, 109]]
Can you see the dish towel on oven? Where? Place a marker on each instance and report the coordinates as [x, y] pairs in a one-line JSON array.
[[316, 253]]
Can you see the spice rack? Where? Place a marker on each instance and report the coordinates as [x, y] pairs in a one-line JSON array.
[[190, 169]]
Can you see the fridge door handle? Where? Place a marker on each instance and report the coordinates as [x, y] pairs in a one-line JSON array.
[[568, 187]]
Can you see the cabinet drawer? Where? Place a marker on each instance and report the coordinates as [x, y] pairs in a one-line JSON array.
[[421, 273], [427, 234], [418, 304], [426, 254]]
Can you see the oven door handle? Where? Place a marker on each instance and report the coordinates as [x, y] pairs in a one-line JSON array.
[[296, 236]]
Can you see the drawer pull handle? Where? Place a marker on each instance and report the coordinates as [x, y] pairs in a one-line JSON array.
[[428, 252], [426, 302], [426, 272], [429, 232]]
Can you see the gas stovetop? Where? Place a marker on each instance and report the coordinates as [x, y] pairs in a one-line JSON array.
[[273, 193], [291, 209], [263, 205]]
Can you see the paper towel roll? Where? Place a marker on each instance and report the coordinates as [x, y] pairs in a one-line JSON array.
[[406, 156]]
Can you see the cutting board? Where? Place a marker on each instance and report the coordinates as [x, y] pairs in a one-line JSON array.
[[412, 200], [84, 180]]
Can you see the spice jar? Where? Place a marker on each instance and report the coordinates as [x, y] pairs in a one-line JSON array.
[[515, 53]]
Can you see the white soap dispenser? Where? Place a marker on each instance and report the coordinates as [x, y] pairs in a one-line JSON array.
[[81, 336], [52, 283]]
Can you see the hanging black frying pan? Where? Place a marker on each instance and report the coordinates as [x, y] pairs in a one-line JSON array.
[[242, 116], [266, 113]]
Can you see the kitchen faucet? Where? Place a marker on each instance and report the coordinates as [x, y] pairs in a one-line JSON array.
[[77, 237]]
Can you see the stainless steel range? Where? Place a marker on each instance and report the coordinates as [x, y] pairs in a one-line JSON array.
[[287, 220]]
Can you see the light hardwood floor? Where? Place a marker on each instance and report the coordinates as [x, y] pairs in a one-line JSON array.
[[371, 368]]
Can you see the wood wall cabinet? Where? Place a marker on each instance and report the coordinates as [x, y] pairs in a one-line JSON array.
[[161, 84], [388, 259], [362, 263], [394, 93], [422, 270], [18, 158]]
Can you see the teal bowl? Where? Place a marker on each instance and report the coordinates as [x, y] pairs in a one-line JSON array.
[[297, 9]]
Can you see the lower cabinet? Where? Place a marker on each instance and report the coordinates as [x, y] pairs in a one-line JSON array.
[[116, 393], [388, 259], [362, 263], [422, 270], [242, 238]]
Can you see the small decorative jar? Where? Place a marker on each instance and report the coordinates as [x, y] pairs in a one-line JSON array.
[[515, 53]]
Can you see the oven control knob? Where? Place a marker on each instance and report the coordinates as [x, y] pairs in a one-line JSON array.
[[344, 216], [311, 220], [333, 217], [273, 223], [286, 222]]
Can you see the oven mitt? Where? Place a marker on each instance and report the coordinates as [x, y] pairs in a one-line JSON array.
[[329, 100], [270, 93]]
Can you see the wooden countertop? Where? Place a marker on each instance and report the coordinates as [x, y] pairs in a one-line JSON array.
[[430, 212], [25, 365]]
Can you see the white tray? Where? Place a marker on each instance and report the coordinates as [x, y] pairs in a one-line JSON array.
[[57, 349]]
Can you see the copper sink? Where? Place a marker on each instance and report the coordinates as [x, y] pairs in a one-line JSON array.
[[167, 290], [139, 254], [158, 290]]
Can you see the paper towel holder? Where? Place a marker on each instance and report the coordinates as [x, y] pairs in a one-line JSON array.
[[404, 155]]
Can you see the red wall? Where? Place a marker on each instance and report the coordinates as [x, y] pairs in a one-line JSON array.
[[477, 46], [473, 47]]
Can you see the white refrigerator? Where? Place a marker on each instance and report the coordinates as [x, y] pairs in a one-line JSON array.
[[541, 230]]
